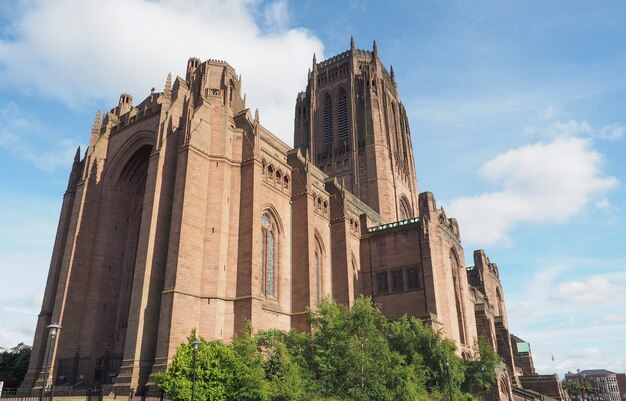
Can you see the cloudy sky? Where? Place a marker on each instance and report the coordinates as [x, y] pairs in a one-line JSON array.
[[517, 113]]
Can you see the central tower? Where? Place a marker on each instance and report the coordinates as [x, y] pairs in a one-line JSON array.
[[354, 127]]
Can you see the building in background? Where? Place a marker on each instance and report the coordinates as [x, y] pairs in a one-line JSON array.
[[603, 383]]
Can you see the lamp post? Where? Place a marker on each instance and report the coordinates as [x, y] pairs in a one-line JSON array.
[[53, 328], [194, 343], [449, 379]]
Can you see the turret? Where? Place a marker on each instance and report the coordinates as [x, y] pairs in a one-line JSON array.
[[192, 64], [125, 104]]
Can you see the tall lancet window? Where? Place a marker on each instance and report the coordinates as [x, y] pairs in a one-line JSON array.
[[328, 119], [268, 251], [318, 267], [317, 276], [404, 209], [342, 114]]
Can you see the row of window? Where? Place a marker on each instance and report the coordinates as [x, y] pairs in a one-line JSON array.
[[320, 205], [401, 280], [276, 177]]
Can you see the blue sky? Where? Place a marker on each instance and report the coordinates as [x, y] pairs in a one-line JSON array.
[[516, 111]]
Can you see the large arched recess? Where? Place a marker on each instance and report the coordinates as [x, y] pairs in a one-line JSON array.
[[121, 207]]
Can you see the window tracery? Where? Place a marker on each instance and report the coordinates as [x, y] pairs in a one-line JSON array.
[[268, 253]]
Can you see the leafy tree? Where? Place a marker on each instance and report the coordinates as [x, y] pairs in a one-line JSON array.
[[222, 374], [352, 359], [428, 352], [13, 367], [480, 374], [288, 380]]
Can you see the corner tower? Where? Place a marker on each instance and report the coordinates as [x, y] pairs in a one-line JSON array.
[[353, 125]]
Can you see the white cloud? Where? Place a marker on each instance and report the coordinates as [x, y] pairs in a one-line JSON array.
[[27, 227], [585, 353], [616, 318], [592, 290], [130, 46], [543, 182], [25, 137], [603, 204], [578, 319], [276, 15], [612, 132]]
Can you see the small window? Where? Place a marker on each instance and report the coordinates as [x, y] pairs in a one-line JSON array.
[[382, 282], [397, 281], [411, 278]]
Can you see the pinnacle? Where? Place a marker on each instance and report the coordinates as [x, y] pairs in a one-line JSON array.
[[96, 123], [168, 85], [77, 155]]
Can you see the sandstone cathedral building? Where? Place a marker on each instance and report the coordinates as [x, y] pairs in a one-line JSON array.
[[185, 212]]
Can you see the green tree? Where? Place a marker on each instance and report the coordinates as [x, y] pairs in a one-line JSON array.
[[480, 374], [352, 359], [13, 367], [288, 380], [222, 374], [428, 352]]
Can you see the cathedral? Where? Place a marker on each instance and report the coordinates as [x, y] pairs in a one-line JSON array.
[[185, 212]]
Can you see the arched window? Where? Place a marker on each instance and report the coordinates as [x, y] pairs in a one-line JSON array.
[[394, 127], [328, 120], [404, 209], [318, 263], [268, 253], [342, 114], [317, 274]]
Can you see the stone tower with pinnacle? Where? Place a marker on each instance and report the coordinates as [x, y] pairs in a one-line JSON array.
[[352, 123]]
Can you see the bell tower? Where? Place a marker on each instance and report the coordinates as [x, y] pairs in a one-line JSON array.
[[352, 123]]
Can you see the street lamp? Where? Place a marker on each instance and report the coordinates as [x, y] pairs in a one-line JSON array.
[[53, 328], [449, 379], [194, 343]]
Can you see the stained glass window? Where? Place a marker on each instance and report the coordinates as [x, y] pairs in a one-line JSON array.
[[268, 250], [270, 263], [317, 276]]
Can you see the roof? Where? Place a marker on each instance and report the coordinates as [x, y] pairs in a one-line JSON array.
[[523, 347], [596, 372]]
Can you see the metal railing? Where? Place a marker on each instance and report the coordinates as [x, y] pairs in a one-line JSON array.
[[14, 394]]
